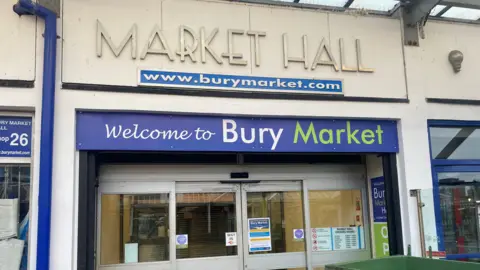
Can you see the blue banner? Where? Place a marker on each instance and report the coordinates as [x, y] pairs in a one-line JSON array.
[[158, 132], [236, 82], [15, 136], [378, 199]]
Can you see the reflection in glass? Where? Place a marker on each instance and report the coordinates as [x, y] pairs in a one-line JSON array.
[[455, 142], [134, 228], [460, 205], [285, 210], [333, 209], [205, 218], [15, 184]]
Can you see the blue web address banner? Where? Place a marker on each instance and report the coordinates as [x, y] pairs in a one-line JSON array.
[[148, 77]]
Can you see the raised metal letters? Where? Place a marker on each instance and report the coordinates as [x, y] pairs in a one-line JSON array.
[[361, 68], [205, 46], [343, 60], [103, 34], [189, 41], [234, 58], [256, 48], [323, 47], [156, 32], [287, 58], [186, 50]]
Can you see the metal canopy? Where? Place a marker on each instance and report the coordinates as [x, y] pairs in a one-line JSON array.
[[414, 13], [416, 9]]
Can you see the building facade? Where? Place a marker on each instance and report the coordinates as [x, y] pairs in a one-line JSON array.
[[233, 135]]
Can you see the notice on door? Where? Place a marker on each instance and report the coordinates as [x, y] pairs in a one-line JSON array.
[[259, 235], [322, 239], [346, 238], [230, 239]]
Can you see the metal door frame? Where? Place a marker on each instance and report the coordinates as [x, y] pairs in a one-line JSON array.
[[157, 178]]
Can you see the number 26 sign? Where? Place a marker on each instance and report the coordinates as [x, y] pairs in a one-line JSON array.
[[15, 136]]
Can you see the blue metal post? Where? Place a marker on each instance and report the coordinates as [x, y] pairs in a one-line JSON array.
[[26, 7]]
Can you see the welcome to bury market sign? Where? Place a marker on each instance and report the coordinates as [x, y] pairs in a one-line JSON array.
[[158, 132], [194, 46]]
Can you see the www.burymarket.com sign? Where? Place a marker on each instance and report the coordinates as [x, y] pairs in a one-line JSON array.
[[155, 132], [159, 78]]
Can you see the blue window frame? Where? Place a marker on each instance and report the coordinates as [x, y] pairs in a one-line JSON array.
[[450, 156]]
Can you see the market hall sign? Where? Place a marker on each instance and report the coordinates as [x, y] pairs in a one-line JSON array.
[[159, 132], [157, 44]]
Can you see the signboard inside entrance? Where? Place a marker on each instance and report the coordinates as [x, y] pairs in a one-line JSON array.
[[259, 235], [160, 132], [15, 136]]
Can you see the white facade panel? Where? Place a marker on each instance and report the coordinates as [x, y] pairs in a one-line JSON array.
[[261, 40], [440, 81], [17, 45]]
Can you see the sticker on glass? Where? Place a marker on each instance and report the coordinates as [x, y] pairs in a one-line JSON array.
[[181, 241], [298, 234]]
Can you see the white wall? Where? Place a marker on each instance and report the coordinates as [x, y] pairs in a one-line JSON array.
[[428, 74], [17, 45], [19, 48], [440, 81]]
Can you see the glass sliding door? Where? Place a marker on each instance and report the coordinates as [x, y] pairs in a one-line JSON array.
[[274, 225], [208, 226]]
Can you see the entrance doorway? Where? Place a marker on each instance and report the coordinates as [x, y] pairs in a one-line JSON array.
[[185, 217]]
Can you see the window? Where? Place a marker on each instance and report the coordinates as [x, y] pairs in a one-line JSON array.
[[134, 228], [460, 208], [14, 209], [336, 220], [455, 142]]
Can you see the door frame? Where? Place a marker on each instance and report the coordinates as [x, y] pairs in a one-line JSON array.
[[145, 175], [438, 213]]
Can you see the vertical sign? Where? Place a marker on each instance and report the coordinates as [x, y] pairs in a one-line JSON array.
[[380, 229], [15, 136], [259, 235]]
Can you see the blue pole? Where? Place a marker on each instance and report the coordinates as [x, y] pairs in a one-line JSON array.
[[26, 7]]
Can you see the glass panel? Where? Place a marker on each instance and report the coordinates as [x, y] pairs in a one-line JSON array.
[[333, 3], [134, 228], [455, 142], [462, 13], [336, 219], [380, 5], [436, 10], [285, 210], [15, 192], [204, 218], [460, 207]]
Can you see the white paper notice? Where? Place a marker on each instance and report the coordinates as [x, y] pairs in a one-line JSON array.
[[131, 253], [230, 239], [322, 239], [345, 238]]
